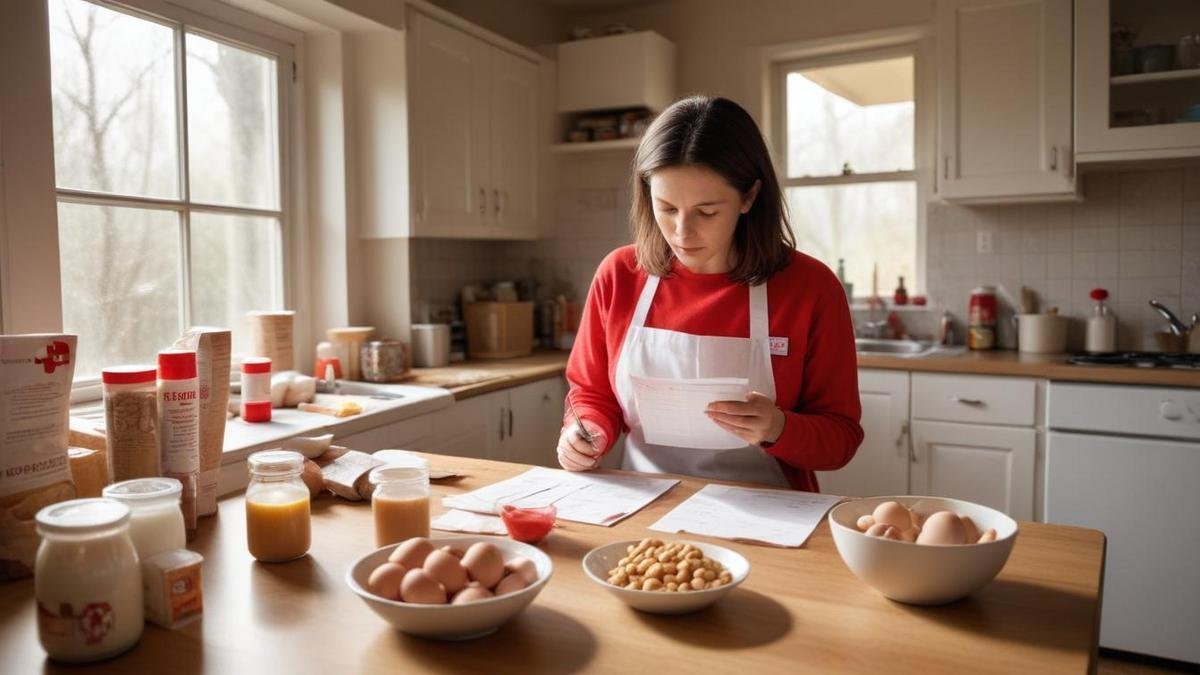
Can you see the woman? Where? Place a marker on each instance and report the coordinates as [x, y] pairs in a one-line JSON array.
[[713, 287]]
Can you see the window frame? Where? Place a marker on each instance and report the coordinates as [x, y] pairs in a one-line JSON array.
[[214, 21], [912, 41]]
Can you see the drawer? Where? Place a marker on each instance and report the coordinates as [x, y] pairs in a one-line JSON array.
[[974, 399]]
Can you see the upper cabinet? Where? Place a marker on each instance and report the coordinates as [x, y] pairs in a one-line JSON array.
[[1137, 79], [473, 136], [631, 70], [1004, 100]]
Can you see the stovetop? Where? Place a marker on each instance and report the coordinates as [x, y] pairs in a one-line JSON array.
[[1138, 360]]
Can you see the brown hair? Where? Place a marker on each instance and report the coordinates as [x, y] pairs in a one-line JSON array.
[[718, 134]]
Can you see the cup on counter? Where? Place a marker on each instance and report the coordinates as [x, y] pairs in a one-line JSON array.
[[1041, 333], [430, 345]]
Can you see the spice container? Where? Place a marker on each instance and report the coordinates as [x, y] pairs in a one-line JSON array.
[[347, 342], [384, 360], [278, 515], [400, 503], [131, 421], [179, 424], [87, 582], [256, 389], [1101, 326], [981, 323], [155, 520]]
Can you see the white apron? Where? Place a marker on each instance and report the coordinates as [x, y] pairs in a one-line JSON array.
[[655, 352]]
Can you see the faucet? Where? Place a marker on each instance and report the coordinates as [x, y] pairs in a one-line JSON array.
[[874, 328]]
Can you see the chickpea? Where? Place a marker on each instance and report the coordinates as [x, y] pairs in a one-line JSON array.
[[672, 586], [725, 577], [631, 585], [655, 571], [697, 584], [669, 567], [630, 568], [716, 584], [709, 575], [644, 565], [623, 561], [669, 578], [693, 555]]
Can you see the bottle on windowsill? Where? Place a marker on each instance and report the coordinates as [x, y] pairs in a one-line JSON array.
[[900, 296]]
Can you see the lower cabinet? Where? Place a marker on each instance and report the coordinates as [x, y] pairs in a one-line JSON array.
[[520, 424], [880, 467], [989, 465]]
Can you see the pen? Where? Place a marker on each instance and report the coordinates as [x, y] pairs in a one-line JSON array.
[[583, 432]]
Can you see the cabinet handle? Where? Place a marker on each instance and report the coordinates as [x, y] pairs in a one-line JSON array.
[[912, 453], [900, 438], [496, 197], [1054, 158], [967, 401], [502, 424], [510, 423], [946, 167], [482, 202]]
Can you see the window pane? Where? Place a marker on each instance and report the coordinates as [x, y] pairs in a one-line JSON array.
[[120, 283], [232, 125], [857, 115], [234, 270], [866, 224], [113, 84]]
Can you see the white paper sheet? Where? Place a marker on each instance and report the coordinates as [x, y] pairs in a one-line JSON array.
[[455, 520], [672, 411], [774, 517], [594, 498]]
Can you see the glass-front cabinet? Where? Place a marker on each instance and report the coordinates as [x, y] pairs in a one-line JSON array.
[[1137, 80]]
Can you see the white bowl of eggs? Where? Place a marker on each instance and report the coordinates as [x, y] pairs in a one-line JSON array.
[[450, 588], [922, 550], [660, 586]]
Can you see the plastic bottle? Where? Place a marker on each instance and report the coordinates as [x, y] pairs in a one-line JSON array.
[[1101, 326], [179, 424]]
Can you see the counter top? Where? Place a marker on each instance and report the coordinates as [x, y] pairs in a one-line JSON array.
[[482, 376], [799, 609], [1046, 366]]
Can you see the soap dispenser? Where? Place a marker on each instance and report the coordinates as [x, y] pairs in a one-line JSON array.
[[1101, 326]]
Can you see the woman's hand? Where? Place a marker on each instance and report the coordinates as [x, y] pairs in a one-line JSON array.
[[756, 420], [574, 453]]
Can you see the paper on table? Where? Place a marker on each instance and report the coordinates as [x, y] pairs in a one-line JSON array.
[[595, 498], [672, 411], [464, 521], [774, 517]]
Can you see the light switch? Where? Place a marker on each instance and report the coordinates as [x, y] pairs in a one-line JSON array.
[[985, 242]]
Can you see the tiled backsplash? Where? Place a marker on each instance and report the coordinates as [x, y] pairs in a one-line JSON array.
[[1136, 233]]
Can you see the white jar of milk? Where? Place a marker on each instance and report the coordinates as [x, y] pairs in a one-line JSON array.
[[156, 521], [87, 581]]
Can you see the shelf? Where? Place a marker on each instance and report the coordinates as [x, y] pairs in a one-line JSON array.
[[596, 146], [1163, 76]]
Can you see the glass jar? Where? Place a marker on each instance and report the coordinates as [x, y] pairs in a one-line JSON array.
[[278, 515], [156, 519], [131, 421], [87, 581], [400, 503]]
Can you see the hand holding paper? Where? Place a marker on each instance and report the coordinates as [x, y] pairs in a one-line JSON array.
[[672, 412]]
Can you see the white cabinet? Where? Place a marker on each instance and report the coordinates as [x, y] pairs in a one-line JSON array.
[[1133, 116], [520, 424], [415, 433], [1004, 100], [880, 467], [473, 136], [989, 465], [633, 70]]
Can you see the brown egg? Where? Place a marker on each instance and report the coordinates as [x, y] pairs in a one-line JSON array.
[[970, 531], [418, 587], [484, 563], [446, 570], [456, 552], [989, 535], [910, 535], [472, 593], [510, 584], [883, 530], [412, 552], [894, 514], [943, 528], [865, 522], [313, 479], [385, 580], [524, 567]]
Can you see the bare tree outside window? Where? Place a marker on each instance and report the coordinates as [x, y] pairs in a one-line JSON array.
[[137, 230]]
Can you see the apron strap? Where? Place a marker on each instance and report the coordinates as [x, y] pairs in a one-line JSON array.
[[644, 300], [759, 319]]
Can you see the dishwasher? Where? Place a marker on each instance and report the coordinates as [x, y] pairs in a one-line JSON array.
[[1126, 460]]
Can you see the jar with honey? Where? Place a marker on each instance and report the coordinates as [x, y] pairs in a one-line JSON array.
[[278, 516], [400, 503]]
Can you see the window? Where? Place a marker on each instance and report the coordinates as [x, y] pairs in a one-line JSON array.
[[847, 129], [169, 162]]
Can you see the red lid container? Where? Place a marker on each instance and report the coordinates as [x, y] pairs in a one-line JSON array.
[[128, 374], [176, 364], [256, 364], [256, 411]]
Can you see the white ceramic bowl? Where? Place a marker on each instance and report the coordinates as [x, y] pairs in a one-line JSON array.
[[600, 560], [916, 573], [451, 622]]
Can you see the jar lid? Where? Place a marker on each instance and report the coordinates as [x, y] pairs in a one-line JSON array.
[[986, 290], [256, 411], [128, 374], [401, 458], [144, 491], [275, 462], [394, 474], [82, 516], [177, 364], [256, 364]]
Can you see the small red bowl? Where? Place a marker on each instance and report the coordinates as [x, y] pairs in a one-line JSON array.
[[528, 525]]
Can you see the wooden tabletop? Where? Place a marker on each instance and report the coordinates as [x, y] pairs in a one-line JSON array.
[[800, 610], [481, 376], [1046, 366]]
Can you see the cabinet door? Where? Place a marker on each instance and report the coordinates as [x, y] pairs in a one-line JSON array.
[[469, 428], [536, 413], [514, 127], [410, 434], [988, 465], [880, 467], [449, 132], [1004, 99]]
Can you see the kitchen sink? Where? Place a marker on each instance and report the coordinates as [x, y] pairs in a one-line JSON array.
[[893, 347]]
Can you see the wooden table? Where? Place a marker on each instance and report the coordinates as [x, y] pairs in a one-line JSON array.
[[800, 610]]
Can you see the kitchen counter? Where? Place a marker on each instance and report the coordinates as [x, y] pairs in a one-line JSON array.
[[800, 609], [1047, 366], [482, 376]]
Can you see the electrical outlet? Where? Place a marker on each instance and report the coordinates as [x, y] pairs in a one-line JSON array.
[[985, 242]]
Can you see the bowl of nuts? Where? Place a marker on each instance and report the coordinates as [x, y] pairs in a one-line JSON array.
[[666, 577]]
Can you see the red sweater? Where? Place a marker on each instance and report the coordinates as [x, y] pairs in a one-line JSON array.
[[816, 383]]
